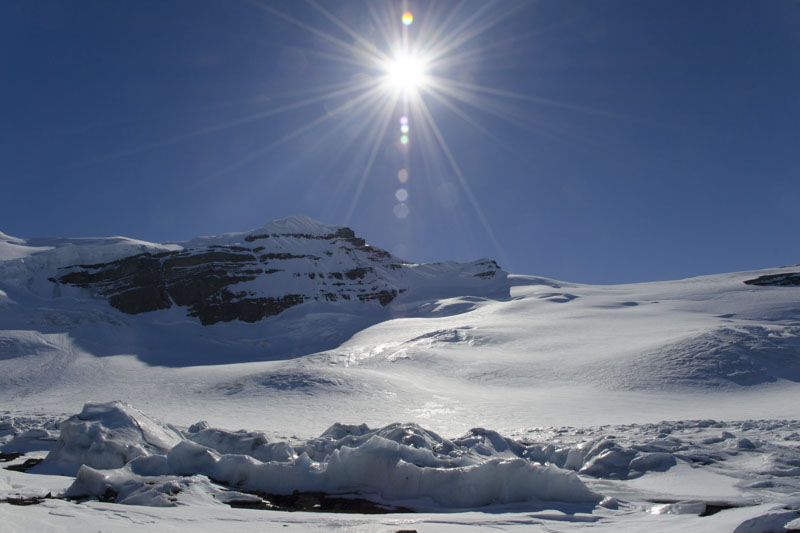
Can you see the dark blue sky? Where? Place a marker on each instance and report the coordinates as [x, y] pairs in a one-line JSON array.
[[603, 141]]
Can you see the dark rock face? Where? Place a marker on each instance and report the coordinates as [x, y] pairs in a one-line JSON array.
[[249, 282], [790, 279], [199, 281], [204, 279]]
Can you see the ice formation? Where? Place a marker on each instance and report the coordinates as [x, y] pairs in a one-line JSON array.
[[121, 454], [106, 435]]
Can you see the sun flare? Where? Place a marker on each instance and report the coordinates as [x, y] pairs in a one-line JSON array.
[[398, 66], [405, 72]]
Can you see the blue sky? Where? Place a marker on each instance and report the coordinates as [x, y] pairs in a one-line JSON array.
[[592, 141]]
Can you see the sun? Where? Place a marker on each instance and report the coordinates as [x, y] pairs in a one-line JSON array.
[[405, 73], [398, 71]]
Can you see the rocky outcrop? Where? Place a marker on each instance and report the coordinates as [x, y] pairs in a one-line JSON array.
[[200, 281], [249, 277], [788, 279]]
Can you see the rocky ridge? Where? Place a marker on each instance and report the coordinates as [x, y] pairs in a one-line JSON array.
[[253, 275], [784, 279]]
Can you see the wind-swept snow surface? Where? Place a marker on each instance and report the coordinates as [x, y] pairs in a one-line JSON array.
[[662, 397]]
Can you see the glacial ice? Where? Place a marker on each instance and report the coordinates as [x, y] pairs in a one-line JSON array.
[[120, 454], [106, 435]]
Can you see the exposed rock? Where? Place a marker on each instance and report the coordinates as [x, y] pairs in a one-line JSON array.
[[220, 279], [789, 279]]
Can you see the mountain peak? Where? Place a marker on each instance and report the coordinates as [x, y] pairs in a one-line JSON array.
[[295, 224]]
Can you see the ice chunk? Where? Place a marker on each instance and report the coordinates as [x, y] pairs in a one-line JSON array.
[[106, 435], [659, 461], [149, 465], [490, 443], [611, 463], [198, 426], [746, 444], [122, 486], [253, 444], [30, 440]]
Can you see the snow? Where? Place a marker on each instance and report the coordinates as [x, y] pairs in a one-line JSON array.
[[297, 224], [666, 398], [24, 261]]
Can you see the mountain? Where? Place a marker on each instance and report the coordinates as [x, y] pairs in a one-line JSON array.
[[247, 277], [253, 275]]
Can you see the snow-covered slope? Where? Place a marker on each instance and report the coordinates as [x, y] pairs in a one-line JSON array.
[[455, 344], [547, 364], [323, 274]]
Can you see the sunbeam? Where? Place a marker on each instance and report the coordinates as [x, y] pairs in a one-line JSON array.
[[462, 180], [349, 88], [387, 116], [405, 68], [365, 99]]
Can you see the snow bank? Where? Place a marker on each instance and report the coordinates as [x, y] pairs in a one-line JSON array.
[[129, 458], [106, 435]]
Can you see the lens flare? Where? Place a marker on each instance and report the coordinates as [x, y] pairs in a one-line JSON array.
[[401, 210], [403, 71]]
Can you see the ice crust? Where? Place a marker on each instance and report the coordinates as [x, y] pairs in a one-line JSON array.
[[118, 453]]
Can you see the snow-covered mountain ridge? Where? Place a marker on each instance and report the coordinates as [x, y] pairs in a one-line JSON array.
[[239, 276]]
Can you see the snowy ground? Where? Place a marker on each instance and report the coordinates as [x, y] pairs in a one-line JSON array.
[[671, 400]]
